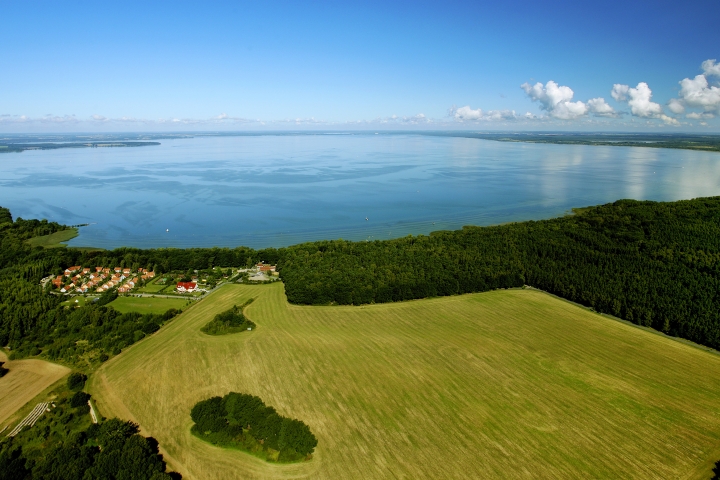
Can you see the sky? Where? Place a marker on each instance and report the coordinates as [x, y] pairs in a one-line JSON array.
[[511, 65]]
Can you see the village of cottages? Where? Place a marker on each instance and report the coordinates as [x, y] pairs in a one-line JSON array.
[[86, 280]]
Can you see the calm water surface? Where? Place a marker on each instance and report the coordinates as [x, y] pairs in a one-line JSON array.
[[279, 190]]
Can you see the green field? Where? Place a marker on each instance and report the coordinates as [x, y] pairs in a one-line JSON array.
[[153, 287], [54, 239], [146, 304], [504, 384]]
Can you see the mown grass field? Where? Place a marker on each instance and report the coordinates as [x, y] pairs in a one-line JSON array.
[[504, 384], [25, 380], [54, 239], [147, 304]]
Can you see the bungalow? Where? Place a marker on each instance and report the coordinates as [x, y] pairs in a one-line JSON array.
[[124, 289], [118, 269], [106, 270], [67, 288], [98, 269], [150, 274], [86, 270], [126, 271], [58, 281], [186, 287]]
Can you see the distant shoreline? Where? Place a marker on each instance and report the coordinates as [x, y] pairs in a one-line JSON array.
[[21, 147]]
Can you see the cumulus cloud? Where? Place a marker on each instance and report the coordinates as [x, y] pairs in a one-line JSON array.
[[466, 113], [699, 94], [620, 92], [640, 101], [555, 99], [711, 68], [599, 107], [676, 106]]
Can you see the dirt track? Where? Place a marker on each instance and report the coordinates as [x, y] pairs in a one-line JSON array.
[[25, 380]]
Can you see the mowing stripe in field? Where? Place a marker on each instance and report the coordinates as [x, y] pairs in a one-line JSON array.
[[503, 384]]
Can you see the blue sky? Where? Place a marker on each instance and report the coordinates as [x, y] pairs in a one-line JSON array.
[[105, 66]]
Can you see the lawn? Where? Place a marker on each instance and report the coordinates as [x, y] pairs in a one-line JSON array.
[[146, 304], [503, 384], [54, 239], [79, 301]]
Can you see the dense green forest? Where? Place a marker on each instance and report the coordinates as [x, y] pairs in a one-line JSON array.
[[656, 264], [230, 321], [244, 421], [65, 445]]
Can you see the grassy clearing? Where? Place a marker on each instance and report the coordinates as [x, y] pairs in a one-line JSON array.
[[79, 301], [25, 380], [501, 384], [54, 239], [145, 305]]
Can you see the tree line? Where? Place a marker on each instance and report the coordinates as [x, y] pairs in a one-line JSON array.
[[244, 421], [656, 264]]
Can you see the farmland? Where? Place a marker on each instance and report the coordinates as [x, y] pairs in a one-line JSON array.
[[502, 384], [26, 379], [145, 305]]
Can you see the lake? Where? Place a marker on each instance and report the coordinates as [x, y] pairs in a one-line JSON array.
[[276, 190]]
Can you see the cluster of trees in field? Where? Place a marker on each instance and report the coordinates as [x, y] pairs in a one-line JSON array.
[[65, 445], [243, 421], [229, 321], [655, 264]]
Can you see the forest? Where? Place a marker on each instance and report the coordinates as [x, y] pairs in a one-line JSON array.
[[656, 264], [65, 445], [243, 421]]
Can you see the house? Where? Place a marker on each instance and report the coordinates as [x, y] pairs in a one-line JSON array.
[[106, 270], [149, 274], [70, 270], [126, 271], [124, 289], [58, 281], [118, 269], [67, 288], [98, 269], [86, 270], [186, 287]]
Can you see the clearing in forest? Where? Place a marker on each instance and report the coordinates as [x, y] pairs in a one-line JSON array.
[[25, 380], [501, 384]]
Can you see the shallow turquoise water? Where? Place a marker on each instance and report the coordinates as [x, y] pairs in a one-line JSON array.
[[269, 190]]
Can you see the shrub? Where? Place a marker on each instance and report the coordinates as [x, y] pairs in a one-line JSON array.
[[76, 381]]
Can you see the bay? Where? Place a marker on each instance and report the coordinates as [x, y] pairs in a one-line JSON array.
[[272, 190]]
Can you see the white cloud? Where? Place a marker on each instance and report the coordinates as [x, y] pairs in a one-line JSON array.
[[711, 68], [676, 106], [600, 108], [620, 92], [700, 116], [466, 113], [555, 99], [639, 99], [698, 93], [99, 118]]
